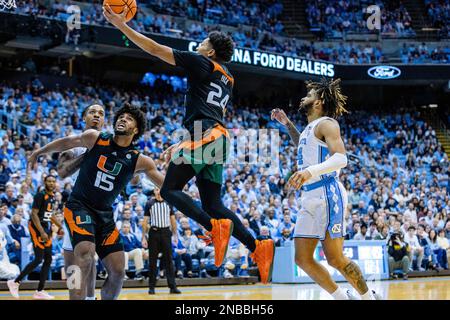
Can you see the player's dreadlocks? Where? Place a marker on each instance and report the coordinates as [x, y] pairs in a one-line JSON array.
[[329, 92]]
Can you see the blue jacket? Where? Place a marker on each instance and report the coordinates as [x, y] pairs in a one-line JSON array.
[[130, 242], [17, 232], [178, 246]]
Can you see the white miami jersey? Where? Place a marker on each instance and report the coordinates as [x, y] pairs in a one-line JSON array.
[[67, 244], [77, 152], [312, 150]]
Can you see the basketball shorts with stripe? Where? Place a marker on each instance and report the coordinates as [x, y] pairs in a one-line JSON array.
[[86, 224], [322, 210], [207, 155], [38, 243]]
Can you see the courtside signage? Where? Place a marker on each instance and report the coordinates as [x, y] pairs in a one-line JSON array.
[[384, 72], [278, 62]]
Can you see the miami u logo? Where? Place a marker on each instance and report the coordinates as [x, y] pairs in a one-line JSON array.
[[105, 178], [87, 220], [101, 165]]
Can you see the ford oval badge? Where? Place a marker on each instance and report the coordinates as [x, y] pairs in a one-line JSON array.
[[384, 72]]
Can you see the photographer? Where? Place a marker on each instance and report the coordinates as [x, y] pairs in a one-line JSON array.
[[398, 255]]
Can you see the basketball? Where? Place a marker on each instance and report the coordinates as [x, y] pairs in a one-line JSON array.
[[119, 5]]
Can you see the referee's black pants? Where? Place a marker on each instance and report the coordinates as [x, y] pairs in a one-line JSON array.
[[160, 240]]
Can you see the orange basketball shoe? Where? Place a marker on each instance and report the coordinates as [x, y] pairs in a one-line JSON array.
[[220, 234], [263, 256]]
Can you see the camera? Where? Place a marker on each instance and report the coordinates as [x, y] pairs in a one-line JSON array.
[[396, 237]]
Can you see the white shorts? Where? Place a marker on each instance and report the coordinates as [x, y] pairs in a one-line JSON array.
[[67, 244], [322, 210]]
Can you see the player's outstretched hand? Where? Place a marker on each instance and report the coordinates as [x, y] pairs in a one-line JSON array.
[[279, 115], [298, 179], [115, 19], [32, 159], [167, 154]]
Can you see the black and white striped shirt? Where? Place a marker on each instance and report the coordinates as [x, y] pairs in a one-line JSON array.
[[159, 213]]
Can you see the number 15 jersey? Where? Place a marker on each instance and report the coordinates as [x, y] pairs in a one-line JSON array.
[[105, 171], [210, 87]]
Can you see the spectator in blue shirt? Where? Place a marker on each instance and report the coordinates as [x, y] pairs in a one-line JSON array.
[[180, 253], [247, 226], [285, 224], [133, 250], [17, 231]]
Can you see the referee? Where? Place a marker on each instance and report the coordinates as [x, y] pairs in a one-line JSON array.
[[159, 239]]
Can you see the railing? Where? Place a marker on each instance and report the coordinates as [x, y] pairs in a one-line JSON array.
[[440, 124], [21, 129]]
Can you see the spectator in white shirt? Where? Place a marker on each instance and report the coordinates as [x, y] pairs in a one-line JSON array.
[[362, 233], [372, 232], [27, 196], [416, 250], [411, 212], [251, 195], [443, 242], [397, 195]]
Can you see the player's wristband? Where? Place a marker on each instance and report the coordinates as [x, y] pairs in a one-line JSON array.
[[335, 162]]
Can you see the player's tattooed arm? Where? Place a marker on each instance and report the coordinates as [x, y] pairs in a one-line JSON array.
[[68, 164], [147, 165], [160, 51], [293, 133], [353, 274], [279, 115]]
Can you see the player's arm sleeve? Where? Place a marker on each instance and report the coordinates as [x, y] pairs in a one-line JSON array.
[[197, 66], [335, 162]]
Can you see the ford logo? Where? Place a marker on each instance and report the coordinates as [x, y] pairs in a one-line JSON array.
[[384, 72]]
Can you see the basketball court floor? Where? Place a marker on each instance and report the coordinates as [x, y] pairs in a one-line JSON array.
[[436, 288]]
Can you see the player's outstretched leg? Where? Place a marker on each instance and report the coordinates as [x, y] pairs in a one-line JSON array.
[[262, 251], [333, 249], [115, 266], [172, 191], [304, 258], [84, 254], [13, 285], [69, 260]]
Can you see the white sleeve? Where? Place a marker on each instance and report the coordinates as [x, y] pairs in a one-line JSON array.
[[335, 162]]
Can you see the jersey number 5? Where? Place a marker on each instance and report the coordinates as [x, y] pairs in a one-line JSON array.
[[217, 93], [104, 181], [47, 216]]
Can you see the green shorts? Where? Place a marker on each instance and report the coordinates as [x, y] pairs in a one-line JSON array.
[[206, 156]]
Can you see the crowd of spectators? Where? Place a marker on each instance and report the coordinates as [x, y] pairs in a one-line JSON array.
[[335, 19], [398, 176], [261, 39], [263, 15], [254, 38], [438, 14], [419, 54]]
